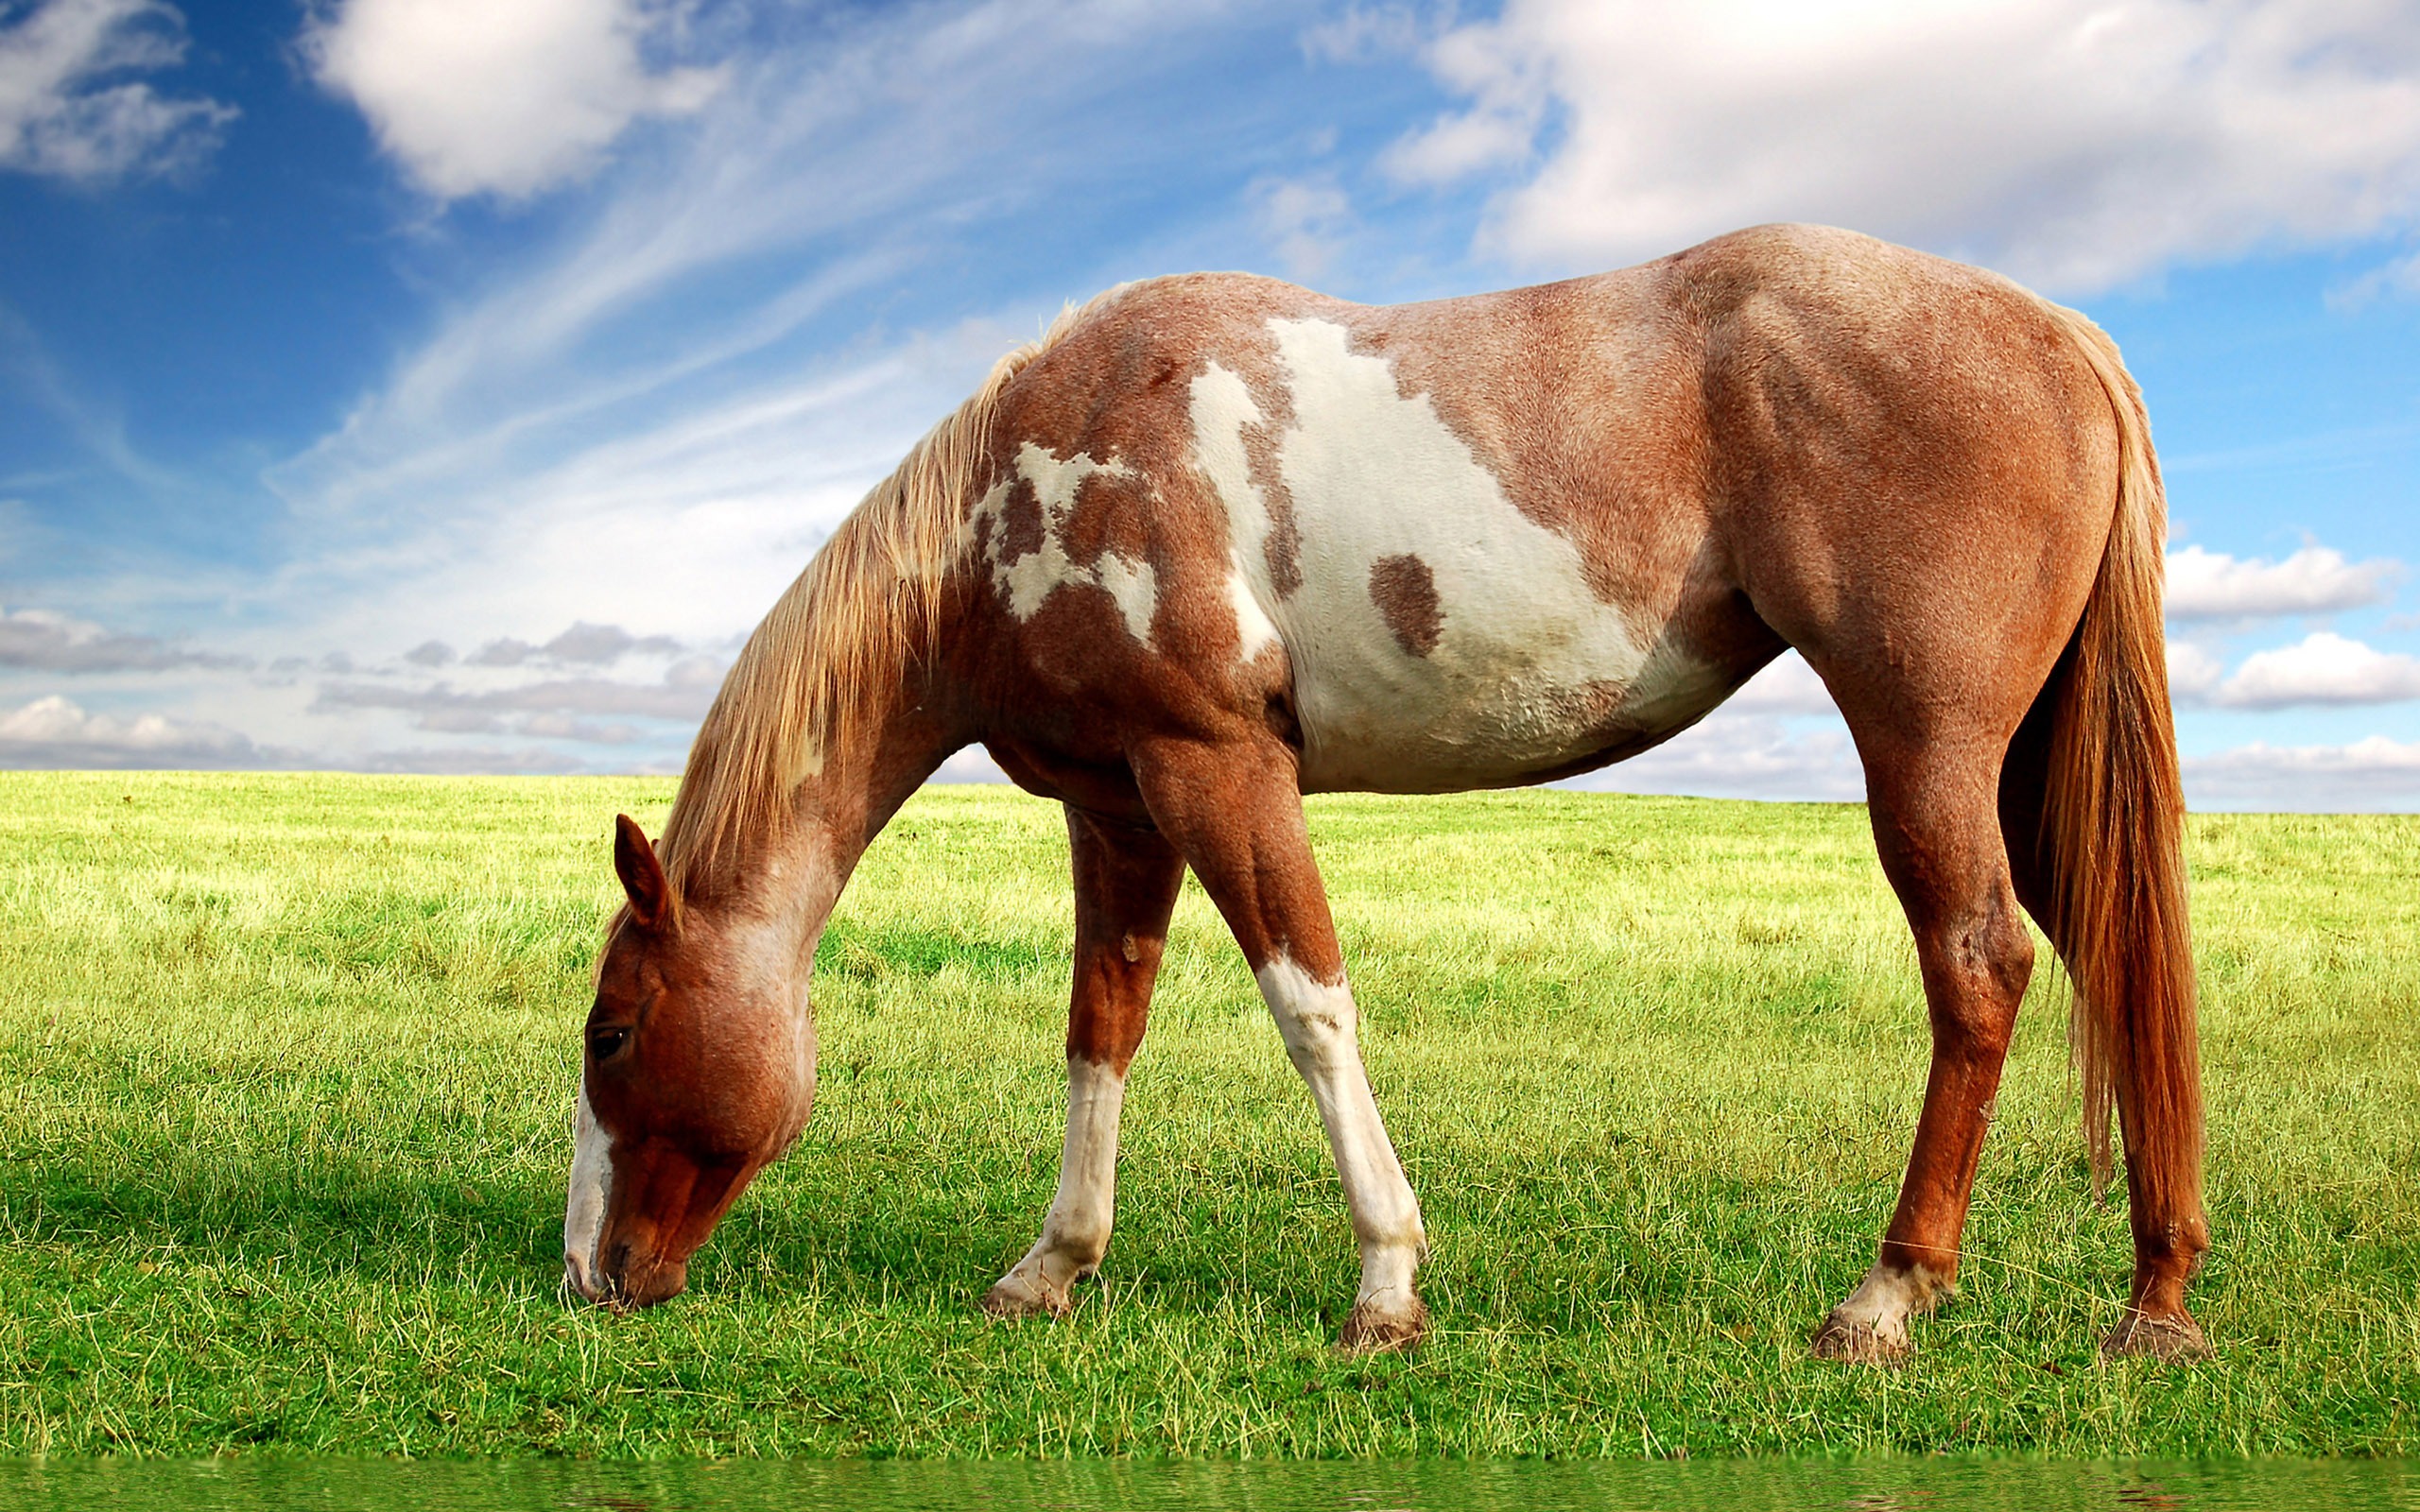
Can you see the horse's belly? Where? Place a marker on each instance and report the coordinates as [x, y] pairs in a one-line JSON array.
[[1438, 637], [1370, 724]]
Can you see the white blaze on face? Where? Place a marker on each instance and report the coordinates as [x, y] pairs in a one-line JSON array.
[[1030, 579], [592, 1179], [1527, 659]]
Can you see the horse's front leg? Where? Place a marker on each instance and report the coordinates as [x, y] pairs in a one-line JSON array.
[[1235, 812], [1126, 887]]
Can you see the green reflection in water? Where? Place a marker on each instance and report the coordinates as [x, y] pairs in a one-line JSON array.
[[894, 1486]]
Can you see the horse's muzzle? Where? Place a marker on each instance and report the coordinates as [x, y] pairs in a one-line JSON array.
[[621, 1285]]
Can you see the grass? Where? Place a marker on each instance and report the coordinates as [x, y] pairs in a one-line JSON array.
[[286, 1066]]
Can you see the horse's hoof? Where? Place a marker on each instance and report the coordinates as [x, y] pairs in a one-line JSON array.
[[1370, 1330], [1855, 1341], [2175, 1338], [1017, 1296]]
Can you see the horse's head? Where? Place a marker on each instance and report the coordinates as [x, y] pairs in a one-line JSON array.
[[698, 1067]]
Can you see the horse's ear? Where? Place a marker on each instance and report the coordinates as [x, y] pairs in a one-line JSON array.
[[642, 874]]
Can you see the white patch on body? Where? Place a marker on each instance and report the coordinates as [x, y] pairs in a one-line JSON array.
[[1030, 579], [1075, 1236], [1223, 406], [1531, 666], [1321, 1024], [1253, 633], [592, 1182]]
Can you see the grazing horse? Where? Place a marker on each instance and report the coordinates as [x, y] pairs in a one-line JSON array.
[[1216, 542]]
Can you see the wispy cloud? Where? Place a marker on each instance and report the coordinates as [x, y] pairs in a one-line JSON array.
[[41, 640], [1305, 219], [553, 708], [2371, 773], [657, 418], [583, 645], [27, 368], [62, 116], [467, 761], [2069, 142], [2396, 278]]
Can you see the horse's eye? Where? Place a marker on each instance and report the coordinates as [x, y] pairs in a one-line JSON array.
[[604, 1044]]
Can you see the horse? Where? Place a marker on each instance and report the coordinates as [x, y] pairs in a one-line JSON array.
[[1215, 541]]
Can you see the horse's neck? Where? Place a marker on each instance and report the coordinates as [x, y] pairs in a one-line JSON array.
[[798, 869]]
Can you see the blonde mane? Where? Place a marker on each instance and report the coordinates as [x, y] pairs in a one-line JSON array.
[[867, 606]]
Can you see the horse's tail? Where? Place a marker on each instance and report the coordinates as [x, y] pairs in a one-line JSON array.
[[2108, 862]]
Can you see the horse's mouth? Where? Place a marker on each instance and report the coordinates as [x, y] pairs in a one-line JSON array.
[[615, 1292]]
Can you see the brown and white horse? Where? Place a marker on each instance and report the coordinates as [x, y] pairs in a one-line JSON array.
[[1216, 542]]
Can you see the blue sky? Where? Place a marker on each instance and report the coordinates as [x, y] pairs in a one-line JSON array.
[[449, 384]]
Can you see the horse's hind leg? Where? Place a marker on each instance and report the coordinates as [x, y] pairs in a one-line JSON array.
[[1237, 812], [1934, 805], [1126, 887]]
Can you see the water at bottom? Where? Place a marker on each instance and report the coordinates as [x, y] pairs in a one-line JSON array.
[[907, 1486]]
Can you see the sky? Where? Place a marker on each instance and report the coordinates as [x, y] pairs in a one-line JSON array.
[[450, 385]]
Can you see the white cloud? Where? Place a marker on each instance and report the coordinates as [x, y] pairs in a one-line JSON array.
[[1788, 686], [973, 765], [1304, 219], [2194, 671], [2397, 279], [1743, 754], [42, 640], [2211, 585], [2373, 773], [551, 707], [2320, 668], [502, 97], [61, 117], [583, 645], [2073, 142], [54, 733], [1363, 32], [466, 761]]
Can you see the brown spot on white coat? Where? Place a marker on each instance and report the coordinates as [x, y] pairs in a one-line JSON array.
[[1406, 592]]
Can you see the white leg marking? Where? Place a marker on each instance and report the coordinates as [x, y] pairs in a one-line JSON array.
[[1320, 1025], [592, 1182], [1075, 1236], [1883, 1302]]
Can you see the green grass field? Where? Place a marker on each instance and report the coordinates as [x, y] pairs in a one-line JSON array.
[[286, 1066]]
